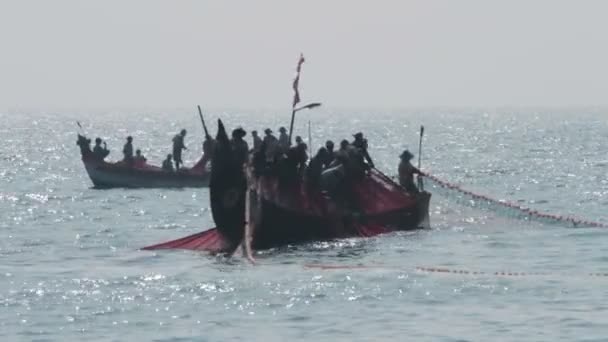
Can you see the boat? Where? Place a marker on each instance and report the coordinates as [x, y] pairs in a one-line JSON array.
[[119, 174], [262, 211]]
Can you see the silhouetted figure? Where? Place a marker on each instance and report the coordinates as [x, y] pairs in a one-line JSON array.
[[283, 140], [85, 145], [301, 154], [361, 144], [407, 171], [330, 155], [239, 145], [272, 145], [178, 146], [257, 141], [168, 163], [315, 167], [139, 160], [208, 148], [100, 152], [127, 151]]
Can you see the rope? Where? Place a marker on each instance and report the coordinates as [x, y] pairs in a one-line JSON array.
[[522, 212]]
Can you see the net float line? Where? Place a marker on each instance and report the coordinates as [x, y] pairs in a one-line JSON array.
[[524, 213], [444, 270]]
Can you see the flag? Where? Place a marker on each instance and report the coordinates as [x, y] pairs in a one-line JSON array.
[[296, 81]]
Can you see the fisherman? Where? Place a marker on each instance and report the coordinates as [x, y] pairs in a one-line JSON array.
[[257, 141], [315, 167], [407, 171], [100, 152], [139, 160], [178, 146], [127, 150], [301, 154], [85, 145], [271, 143], [330, 155], [239, 146], [361, 144], [283, 140], [167, 163], [208, 147]]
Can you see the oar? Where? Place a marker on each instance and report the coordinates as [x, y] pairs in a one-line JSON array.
[[200, 113], [80, 126], [420, 183], [309, 139]]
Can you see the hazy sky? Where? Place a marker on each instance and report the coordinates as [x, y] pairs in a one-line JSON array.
[[225, 53]]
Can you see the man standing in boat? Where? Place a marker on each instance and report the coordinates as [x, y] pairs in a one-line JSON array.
[[257, 141], [127, 151], [361, 144], [178, 146], [407, 171], [208, 147], [100, 152], [283, 140], [271, 143], [239, 145]]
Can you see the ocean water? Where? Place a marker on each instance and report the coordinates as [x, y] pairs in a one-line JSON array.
[[71, 270]]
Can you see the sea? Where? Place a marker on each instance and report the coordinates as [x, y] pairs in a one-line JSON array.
[[71, 268]]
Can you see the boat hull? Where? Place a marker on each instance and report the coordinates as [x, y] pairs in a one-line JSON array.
[[106, 176]]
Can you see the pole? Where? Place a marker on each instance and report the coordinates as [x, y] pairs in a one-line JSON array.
[[309, 139], [419, 178], [200, 113], [293, 116]]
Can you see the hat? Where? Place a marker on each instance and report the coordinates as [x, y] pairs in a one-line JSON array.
[[267, 131], [406, 155], [240, 132], [358, 135], [282, 129]]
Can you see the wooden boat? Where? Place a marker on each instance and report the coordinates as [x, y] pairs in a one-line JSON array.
[[265, 211], [122, 175]]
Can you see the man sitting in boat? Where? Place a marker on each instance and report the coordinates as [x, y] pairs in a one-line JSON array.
[[100, 152], [84, 143], [407, 171], [140, 160], [361, 144], [208, 147], [168, 163], [127, 150], [178, 146], [239, 146]]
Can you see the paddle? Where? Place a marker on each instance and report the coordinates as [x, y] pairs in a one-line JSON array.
[[80, 126], [200, 113]]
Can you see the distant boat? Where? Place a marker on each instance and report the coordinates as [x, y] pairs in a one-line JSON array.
[[105, 175]]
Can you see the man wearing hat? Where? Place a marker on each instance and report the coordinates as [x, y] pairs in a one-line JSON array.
[[239, 145], [407, 171], [271, 144], [361, 144], [100, 152], [127, 150]]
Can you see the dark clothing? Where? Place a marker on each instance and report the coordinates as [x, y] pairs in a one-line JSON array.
[[329, 158], [178, 146], [240, 150], [127, 152], [314, 170], [208, 147], [361, 145], [406, 175], [272, 147], [257, 143], [283, 142], [100, 153], [167, 165]]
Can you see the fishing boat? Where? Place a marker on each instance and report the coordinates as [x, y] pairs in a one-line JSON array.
[[261, 211], [119, 174]]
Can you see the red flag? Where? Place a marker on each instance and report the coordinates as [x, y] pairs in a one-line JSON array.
[[296, 81]]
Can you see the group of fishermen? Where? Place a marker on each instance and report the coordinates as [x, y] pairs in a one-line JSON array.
[[138, 160], [327, 169]]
